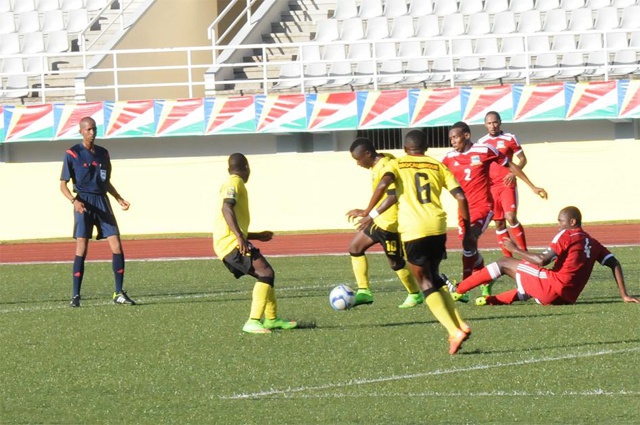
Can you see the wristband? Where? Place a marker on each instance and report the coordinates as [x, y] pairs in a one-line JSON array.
[[374, 213], [74, 199]]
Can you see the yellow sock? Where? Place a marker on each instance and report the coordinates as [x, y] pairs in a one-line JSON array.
[[408, 280], [259, 300], [451, 306], [361, 271], [271, 309], [438, 306]]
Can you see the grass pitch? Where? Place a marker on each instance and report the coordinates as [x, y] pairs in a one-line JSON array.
[[180, 356]]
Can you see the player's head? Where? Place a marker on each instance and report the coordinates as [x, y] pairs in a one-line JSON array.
[[239, 165], [363, 151], [492, 122], [569, 218], [460, 136], [88, 129], [415, 142]]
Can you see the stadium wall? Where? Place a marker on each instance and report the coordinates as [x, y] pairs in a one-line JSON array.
[[294, 191]]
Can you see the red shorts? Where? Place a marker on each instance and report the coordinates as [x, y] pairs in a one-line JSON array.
[[479, 219], [533, 282], [505, 199]]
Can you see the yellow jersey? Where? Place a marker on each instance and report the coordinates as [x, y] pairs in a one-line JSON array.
[[419, 183], [224, 241], [388, 220]]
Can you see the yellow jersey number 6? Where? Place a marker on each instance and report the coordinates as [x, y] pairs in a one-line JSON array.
[[423, 188]]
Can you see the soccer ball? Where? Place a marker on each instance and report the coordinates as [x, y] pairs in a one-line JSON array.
[[342, 297]]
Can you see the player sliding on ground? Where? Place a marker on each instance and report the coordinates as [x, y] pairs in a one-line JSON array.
[[575, 253]]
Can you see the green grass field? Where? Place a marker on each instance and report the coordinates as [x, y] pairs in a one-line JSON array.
[[180, 356]]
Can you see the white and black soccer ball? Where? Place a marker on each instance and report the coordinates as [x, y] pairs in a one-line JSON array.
[[342, 297]]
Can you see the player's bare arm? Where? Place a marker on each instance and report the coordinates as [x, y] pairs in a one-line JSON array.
[[387, 180], [385, 205], [264, 236], [113, 192], [515, 169], [616, 268], [78, 205], [539, 259], [229, 214], [463, 209], [510, 179]]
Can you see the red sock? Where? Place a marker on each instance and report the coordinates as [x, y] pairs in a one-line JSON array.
[[517, 234], [502, 235], [503, 298], [486, 275]]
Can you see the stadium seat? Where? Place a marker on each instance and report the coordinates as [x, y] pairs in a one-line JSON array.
[[417, 69], [345, 9], [463, 50], [45, 5], [93, 5], [479, 24], [33, 42], [69, 5], [597, 4], [514, 47], [626, 61], [36, 65], [402, 27], [496, 6], [529, 21], [21, 6], [444, 7], [327, 30], [17, 86], [52, 20], [469, 7], [339, 70], [360, 56], [631, 18], [289, 76], [495, 65], [370, 9], [7, 23], [540, 47], [395, 8], [352, 29], [427, 26], [12, 66], [504, 23], [624, 3], [592, 44], [453, 24], [5, 6], [569, 5], [545, 5], [438, 52], [377, 28], [57, 42], [314, 69], [607, 18], [581, 20], [77, 20], [386, 54], [28, 22], [419, 8], [520, 5], [555, 21], [9, 44]]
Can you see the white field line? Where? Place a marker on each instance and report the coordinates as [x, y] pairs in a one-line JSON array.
[[151, 299], [144, 260], [291, 392]]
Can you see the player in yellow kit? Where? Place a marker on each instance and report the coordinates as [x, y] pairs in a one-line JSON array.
[[231, 244], [422, 224], [383, 230]]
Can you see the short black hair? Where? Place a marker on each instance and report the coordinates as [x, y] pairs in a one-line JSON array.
[[462, 126], [493, 113], [365, 142], [237, 162], [573, 212], [416, 139]]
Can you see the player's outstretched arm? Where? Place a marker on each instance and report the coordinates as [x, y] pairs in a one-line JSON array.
[[541, 259], [385, 205], [616, 268], [264, 236], [517, 171]]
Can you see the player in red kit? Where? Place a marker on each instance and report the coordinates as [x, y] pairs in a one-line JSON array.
[[470, 165], [575, 253], [503, 183]]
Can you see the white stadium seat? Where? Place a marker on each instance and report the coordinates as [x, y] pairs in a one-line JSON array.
[[68, 5], [555, 20], [444, 7], [496, 6], [395, 8], [20, 6], [581, 19], [631, 18], [17, 86], [327, 30], [352, 29], [370, 9], [545, 5], [402, 27], [45, 5], [77, 20], [339, 72], [463, 50], [52, 20], [93, 5], [569, 5], [345, 9], [417, 68], [427, 26], [419, 8], [9, 44], [5, 6], [33, 42], [495, 65], [518, 6], [57, 42], [607, 18], [386, 54], [597, 4], [469, 7], [314, 69], [377, 28], [504, 23], [28, 22], [289, 74], [453, 24], [479, 24], [7, 23]]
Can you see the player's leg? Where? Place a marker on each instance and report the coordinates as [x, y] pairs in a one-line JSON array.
[[108, 228], [82, 230], [511, 214], [264, 301], [362, 241], [493, 271], [392, 246], [502, 232]]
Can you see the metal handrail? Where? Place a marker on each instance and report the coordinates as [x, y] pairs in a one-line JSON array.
[[81, 36], [211, 30]]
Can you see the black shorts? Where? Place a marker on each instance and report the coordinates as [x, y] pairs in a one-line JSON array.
[[423, 250], [390, 241], [239, 264]]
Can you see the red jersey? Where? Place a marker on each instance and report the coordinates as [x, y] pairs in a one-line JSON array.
[[506, 144], [471, 169], [576, 252]]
